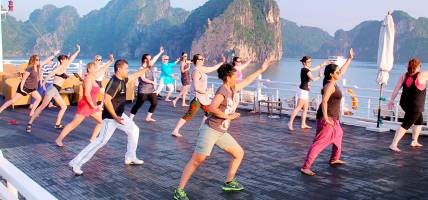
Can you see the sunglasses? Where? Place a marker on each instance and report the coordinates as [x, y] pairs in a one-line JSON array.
[[37, 59], [99, 59]]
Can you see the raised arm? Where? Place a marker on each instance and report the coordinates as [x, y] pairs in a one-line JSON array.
[[328, 90], [49, 58], [347, 63], [215, 67], [105, 66], [154, 59], [73, 56], [396, 91], [138, 73], [249, 79], [245, 65]]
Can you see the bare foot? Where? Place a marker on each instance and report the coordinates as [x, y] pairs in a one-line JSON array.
[[168, 100], [394, 148], [307, 172], [290, 127], [416, 144], [150, 120], [305, 127], [92, 140], [59, 143], [184, 105], [176, 134], [174, 103], [337, 162]]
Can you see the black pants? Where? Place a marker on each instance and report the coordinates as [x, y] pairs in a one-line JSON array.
[[140, 101]]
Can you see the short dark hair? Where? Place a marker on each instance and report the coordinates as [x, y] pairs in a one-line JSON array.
[[225, 70], [62, 57], [119, 63], [304, 59]]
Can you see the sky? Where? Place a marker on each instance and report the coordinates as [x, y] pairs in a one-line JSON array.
[[329, 15]]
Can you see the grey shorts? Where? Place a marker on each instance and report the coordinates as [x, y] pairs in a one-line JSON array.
[[209, 137], [52, 92]]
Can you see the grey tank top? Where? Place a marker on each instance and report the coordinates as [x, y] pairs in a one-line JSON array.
[[146, 88]]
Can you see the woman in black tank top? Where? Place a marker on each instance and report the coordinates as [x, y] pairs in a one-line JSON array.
[[412, 101], [303, 91], [328, 125]]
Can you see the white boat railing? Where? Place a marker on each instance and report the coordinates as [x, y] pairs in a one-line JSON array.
[[368, 98], [18, 182]]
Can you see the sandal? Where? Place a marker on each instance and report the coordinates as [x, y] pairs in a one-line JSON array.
[[28, 129], [59, 126]]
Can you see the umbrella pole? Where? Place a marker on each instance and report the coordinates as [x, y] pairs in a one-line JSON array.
[[379, 108]]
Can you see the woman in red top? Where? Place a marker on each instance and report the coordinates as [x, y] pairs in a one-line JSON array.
[[87, 106]]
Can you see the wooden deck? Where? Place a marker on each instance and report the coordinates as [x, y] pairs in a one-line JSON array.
[[269, 170]]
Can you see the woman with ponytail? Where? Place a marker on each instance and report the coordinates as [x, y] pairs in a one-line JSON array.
[[328, 125], [412, 101]]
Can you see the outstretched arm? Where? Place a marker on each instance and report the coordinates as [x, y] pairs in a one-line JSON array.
[[154, 59], [249, 79], [245, 65], [73, 56], [49, 58], [325, 63], [138, 73], [347, 63], [105, 66], [215, 67]]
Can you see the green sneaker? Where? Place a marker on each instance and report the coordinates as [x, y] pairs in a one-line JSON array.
[[234, 185], [180, 194]]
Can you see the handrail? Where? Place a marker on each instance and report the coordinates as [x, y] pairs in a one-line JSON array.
[[17, 181]]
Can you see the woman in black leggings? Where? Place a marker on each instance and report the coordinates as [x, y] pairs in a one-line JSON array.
[[146, 87]]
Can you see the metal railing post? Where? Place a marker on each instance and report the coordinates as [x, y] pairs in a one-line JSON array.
[[259, 92], [368, 108]]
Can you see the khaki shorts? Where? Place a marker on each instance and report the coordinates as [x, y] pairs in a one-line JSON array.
[[209, 137]]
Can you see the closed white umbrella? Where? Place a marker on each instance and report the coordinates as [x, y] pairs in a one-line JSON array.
[[385, 56]]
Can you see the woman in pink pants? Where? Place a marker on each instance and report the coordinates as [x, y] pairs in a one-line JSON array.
[[328, 125]]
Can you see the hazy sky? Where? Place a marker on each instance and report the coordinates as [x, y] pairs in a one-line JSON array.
[[329, 15]]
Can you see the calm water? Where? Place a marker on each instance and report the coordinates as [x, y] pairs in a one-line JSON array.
[[359, 74]]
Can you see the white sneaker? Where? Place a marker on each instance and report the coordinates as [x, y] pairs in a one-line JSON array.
[[135, 161], [77, 171]]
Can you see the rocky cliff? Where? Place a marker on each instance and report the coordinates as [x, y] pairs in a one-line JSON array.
[[248, 28], [411, 39], [129, 28]]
